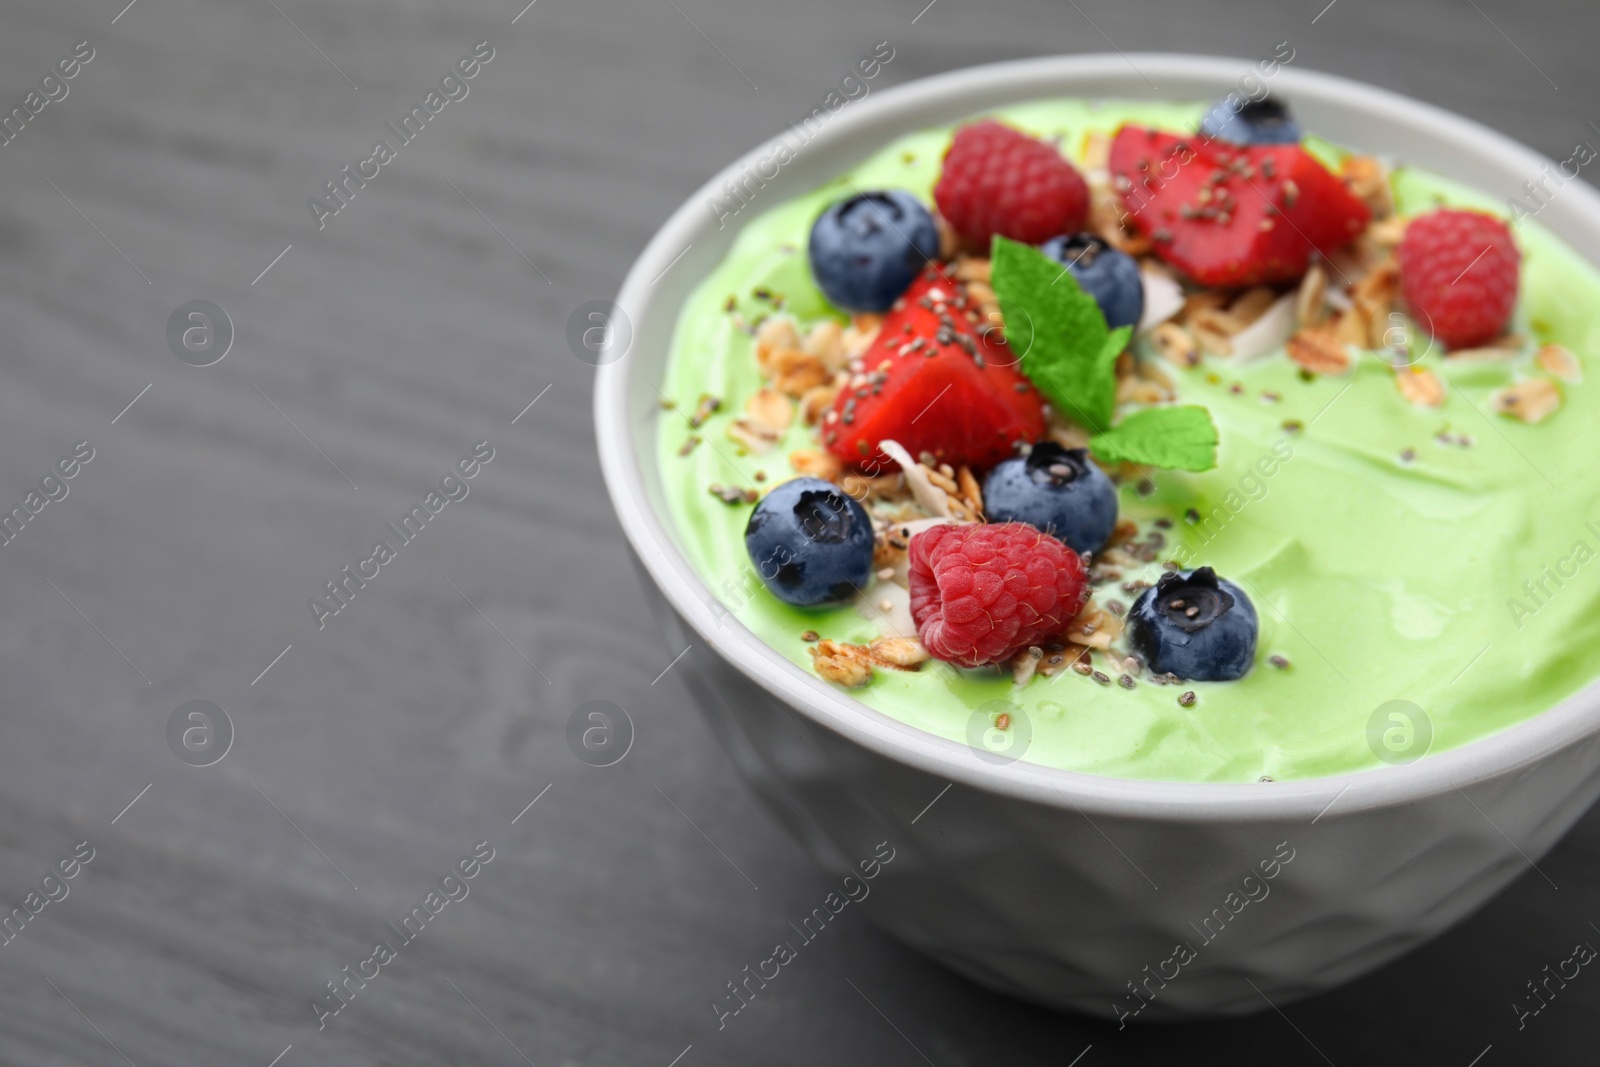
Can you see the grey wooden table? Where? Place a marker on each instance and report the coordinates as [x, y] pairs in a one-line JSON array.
[[369, 355]]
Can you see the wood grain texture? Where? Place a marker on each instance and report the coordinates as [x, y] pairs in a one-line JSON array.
[[427, 714]]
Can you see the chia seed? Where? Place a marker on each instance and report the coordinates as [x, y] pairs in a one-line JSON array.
[[707, 407], [1278, 661], [730, 494], [1187, 700]]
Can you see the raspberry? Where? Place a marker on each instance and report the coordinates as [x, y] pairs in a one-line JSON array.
[[997, 180], [1458, 272], [982, 593]]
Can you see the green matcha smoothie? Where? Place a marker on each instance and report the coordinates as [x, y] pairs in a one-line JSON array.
[[1394, 553]]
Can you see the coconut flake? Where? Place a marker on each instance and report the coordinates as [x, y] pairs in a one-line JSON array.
[[1163, 298], [928, 496], [1268, 333], [888, 605]]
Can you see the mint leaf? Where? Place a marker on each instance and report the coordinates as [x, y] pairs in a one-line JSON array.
[[1064, 347], [1174, 438], [1059, 333]]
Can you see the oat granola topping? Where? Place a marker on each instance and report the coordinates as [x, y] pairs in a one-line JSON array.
[[1531, 401]]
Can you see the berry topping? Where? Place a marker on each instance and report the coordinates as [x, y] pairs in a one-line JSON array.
[[1108, 275], [1057, 490], [935, 384], [982, 593], [1196, 626], [1264, 121], [1458, 273], [1230, 216], [867, 249], [998, 180], [810, 543]]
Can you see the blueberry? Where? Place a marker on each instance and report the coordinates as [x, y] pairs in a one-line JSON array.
[[1264, 121], [1110, 276], [810, 543], [1196, 626], [1057, 490], [866, 250]]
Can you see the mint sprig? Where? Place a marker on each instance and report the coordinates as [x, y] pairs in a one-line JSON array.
[[1175, 438], [1066, 348], [1068, 352]]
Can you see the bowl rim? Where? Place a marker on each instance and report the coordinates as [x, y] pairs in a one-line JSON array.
[[1501, 753]]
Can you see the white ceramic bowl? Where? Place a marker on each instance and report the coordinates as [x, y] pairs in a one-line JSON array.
[[1062, 887]]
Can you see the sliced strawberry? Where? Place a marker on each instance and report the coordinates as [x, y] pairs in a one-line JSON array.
[[934, 383], [1229, 215]]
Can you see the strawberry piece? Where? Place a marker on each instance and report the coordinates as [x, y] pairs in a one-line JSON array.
[[1230, 216], [982, 593], [1458, 273], [934, 383], [1000, 180]]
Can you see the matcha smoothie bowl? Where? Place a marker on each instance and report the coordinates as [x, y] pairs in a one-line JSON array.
[[1193, 484]]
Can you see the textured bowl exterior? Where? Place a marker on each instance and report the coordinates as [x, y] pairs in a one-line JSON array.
[[1067, 889], [1048, 903]]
